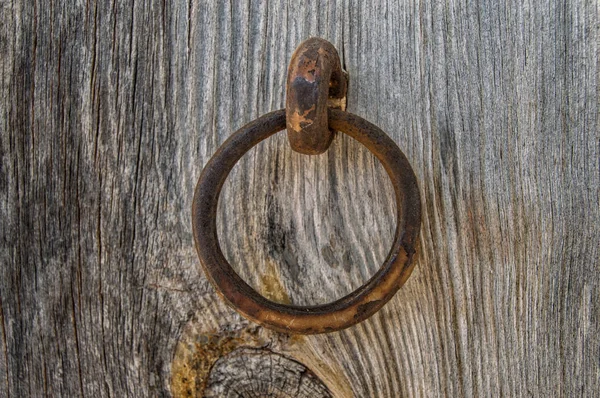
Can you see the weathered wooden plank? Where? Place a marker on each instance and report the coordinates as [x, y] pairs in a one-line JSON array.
[[110, 110]]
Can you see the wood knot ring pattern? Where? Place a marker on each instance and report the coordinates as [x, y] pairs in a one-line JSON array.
[[258, 372], [342, 313]]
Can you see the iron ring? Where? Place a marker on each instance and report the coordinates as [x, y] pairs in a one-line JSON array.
[[344, 312]]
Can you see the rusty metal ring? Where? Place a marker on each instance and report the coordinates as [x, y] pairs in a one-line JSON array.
[[341, 313]]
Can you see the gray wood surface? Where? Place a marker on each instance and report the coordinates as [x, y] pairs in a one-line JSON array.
[[109, 110]]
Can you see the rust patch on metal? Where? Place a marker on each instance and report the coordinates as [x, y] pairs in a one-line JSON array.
[[367, 308], [298, 121], [308, 70]]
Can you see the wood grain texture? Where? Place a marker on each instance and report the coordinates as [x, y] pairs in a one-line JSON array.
[[109, 110], [250, 372]]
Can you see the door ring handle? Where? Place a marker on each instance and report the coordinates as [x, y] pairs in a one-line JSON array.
[[342, 313]]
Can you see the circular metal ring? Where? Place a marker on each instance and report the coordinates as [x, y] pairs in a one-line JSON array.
[[342, 313]]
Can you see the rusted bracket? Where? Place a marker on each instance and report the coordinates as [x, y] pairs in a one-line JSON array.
[[315, 82]]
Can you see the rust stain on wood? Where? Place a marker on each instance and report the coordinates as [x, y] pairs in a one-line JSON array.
[[196, 353], [272, 288], [199, 349]]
